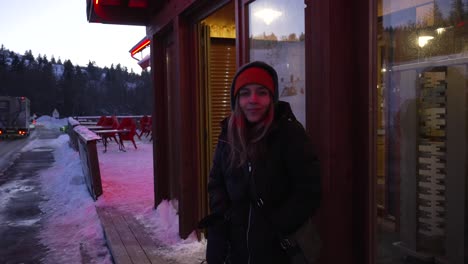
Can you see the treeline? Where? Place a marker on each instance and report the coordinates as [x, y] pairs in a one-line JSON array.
[[72, 89]]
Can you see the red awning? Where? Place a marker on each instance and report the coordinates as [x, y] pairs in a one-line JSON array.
[[124, 12], [141, 45], [138, 48]]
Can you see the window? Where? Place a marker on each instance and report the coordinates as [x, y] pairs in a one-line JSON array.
[[422, 134], [276, 33]]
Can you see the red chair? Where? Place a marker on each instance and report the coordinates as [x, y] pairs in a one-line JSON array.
[[113, 123], [145, 126], [101, 121], [130, 125]]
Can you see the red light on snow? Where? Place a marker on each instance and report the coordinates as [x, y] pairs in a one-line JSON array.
[[140, 47]]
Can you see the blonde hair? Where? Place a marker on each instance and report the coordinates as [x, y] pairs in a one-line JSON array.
[[245, 140]]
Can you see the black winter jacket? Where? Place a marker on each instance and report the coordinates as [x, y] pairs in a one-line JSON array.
[[285, 182]]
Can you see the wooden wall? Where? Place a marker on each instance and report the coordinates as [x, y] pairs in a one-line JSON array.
[[340, 117], [176, 145], [340, 39]]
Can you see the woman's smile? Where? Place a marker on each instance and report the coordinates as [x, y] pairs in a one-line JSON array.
[[254, 101]]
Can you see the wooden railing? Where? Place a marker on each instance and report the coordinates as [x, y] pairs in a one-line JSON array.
[[86, 146], [96, 118], [72, 123]]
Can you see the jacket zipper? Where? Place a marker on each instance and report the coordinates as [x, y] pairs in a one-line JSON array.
[[250, 214]]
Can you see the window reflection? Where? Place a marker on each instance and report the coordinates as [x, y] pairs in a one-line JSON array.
[[421, 131], [277, 37]]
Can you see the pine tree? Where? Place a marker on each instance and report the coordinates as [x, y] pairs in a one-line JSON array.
[[28, 55], [48, 90], [17, 72], [44, 59], [67, 89], [438, 16], [92, 71], [79, 90], [302, 36], [457, 12], [3, 71], [17, 64], [79, 84], [39, 59]]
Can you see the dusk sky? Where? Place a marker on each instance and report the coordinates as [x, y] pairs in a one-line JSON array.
[[61, 29]]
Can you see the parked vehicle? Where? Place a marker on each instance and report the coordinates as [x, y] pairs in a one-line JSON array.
[[33, 118], [14, 116]]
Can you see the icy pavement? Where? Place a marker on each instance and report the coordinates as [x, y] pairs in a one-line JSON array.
[[20, 215]]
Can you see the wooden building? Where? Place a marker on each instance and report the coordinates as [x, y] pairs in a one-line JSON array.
[[330, 55]]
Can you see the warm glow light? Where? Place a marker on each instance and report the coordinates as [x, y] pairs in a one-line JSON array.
[[423, 40], [440, 30], [268, 15], [97, 2], [142, 46]]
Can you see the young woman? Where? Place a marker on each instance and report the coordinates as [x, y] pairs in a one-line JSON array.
[[264, 183]]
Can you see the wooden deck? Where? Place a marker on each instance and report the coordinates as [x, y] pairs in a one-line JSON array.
[[127, 239]]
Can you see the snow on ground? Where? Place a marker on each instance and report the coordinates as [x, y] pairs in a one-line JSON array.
[[50, 122], [127, 181]]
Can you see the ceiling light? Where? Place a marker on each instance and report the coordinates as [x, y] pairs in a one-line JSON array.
[[440, 30], [268, 15], [423, 40]]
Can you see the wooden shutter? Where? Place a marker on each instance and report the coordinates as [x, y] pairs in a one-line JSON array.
[[222, 67]]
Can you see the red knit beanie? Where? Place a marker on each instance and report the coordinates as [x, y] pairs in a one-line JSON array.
[[255, 75], [257, 72]]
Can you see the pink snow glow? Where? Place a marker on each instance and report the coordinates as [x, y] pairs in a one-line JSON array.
[[127, 181]]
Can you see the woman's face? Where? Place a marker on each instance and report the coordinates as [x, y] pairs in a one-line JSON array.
[[254, 101]]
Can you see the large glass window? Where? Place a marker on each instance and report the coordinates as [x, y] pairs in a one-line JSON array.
[[276, 33], [422, 133]]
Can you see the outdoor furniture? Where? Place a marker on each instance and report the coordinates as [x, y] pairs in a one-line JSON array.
[[145, 125], [98, 127], [127, 124], [88, 123], [101, 120], [104, 135], [112, 125]]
